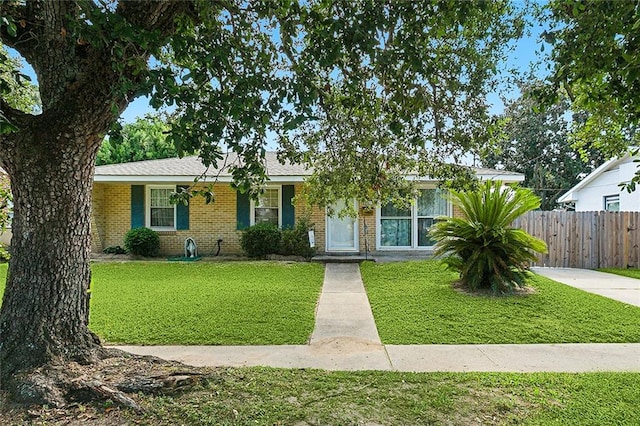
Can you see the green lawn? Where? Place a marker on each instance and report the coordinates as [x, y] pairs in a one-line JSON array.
[[631, 273], [268, 396], [232, 303], [275, 396], [414, 303]]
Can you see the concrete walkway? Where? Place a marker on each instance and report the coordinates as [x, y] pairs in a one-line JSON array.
[[613, 286], [350, 356], [343, 311], [345, 338]]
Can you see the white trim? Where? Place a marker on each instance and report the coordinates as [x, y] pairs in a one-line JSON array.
[[189, 179], [504, 177], [356, 234], [147, 208], [572, 195], [181, 179], [414, 227], [252, 206], [611, 199]]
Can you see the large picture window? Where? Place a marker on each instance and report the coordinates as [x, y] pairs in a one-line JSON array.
[[162, 214], [408, 228]]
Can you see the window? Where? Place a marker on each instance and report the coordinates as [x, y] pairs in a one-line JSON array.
[[267, 208], [612, 203], [395, 226], [408, 228], [162, 214], [431, 204]]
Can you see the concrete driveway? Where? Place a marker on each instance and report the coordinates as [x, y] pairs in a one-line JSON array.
[[613, 286]]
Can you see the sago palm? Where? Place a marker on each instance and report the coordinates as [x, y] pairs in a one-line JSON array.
[[482, 245]]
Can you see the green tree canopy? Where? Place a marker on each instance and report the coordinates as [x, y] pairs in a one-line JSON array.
[[536, 142], [237, 73], [413, 101], [17, 90], [144, 139], [596, 61]]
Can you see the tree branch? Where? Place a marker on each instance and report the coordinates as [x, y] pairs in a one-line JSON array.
[[154, 15], [12, 115], [18, 15], [7, 142]]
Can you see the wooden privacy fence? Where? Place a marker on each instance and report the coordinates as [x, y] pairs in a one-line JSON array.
[[586, 239]]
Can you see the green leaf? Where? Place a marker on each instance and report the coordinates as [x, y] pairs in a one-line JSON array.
[[6, 127]]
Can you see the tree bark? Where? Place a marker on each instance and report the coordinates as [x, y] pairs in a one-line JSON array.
[[50, 161], [45, 310]]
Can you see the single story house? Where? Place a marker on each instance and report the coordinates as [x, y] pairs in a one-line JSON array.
[[600, 190], [136, 194]]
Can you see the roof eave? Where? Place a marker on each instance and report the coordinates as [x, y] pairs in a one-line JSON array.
[[181, 179], [571, 195], [568, 197], [506, 178]]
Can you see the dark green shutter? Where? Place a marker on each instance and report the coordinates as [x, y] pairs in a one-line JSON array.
[[288, 210], [243, 214], [137, 206], [182, 213]]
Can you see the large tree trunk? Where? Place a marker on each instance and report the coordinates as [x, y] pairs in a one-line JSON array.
[[45, 310], [87, 74]]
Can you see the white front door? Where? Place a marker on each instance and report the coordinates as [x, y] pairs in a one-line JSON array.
[[342, 234]]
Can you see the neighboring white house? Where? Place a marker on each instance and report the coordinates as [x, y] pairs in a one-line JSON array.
[[600, 190]]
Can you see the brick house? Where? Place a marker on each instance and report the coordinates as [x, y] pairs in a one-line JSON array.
[[131, 195]]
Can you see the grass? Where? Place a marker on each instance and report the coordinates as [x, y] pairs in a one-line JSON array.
[[415, 303], [267, 396], [270, 396], [631, 273], [251, 294], [234, 303]]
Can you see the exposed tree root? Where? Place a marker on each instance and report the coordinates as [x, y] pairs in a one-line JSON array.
[[108, 380], [84, 391]]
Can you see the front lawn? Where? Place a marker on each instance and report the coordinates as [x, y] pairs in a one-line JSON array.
[[234, 303], [275, 397], [414, 303], [267, 396], [631, 273]]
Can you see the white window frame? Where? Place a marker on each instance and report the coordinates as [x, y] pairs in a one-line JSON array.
[[611, 199], [147, 203], [253, 206], [379, 218], [414, 226]]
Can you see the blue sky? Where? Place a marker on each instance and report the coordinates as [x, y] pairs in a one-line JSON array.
[[526, 51]]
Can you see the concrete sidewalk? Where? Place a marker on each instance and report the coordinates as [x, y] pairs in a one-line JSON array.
[[359, 356], [622, 289], [346, 338]]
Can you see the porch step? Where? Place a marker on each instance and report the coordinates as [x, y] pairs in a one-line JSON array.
[[390, 256], [348, 258]]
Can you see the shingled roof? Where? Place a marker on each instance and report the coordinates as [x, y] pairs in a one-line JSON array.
[[186, 169]]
